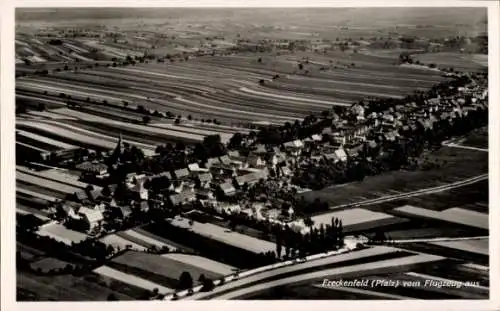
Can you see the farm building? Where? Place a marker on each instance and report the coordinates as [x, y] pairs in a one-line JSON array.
[[91, 217]]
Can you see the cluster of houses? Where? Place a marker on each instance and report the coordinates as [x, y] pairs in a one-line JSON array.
[[220, 178]]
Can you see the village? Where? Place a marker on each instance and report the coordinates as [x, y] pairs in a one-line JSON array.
[[256, 181]]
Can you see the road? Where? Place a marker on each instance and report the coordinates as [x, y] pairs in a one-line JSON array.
[[415, 193], [453, 145], [441, 239]]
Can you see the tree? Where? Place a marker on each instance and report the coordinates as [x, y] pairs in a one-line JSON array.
[[208, 285], [185, 281], [177, 121], [236, 140], [146, 119], [202, 278], [260, 60], [190, 117], [112, 297], [41, 107]]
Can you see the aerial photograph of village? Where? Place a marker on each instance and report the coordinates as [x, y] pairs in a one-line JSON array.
[[251, 154]]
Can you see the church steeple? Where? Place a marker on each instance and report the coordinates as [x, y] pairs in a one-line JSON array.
[[118, 151], [120, 146]]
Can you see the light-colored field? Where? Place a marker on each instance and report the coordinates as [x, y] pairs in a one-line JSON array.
[[45, 140], [131, 279], [36, 194], [146, 239], [201, 262], [160, 265], [225, 236], [351, 216], [120, 243], [46, 183], [80, 135], [357, 219], [169, 133], [57, 176], [454, 215], [62, 234]]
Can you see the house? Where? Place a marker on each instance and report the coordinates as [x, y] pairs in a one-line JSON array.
[[225, 160], [211, 162], [252, 178], [331, 157], [205, 193], [182, 198], [91, 217], [235, 155], [95, 194], [123, 211], [108, 190], [255, 161], [138, 189], [181, 174], [259, 150], [143, 206], [286, 171], [227, 188], [339, 138], [81, 196], [341, 154], [353, 151], [205, 179], [195, 169], [69, 209], [294, 147], [163, 174], [95, 168]]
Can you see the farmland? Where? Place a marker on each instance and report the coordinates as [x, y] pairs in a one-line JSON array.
[[250, 154]]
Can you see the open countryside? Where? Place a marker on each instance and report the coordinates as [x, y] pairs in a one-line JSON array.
[[216, 154]]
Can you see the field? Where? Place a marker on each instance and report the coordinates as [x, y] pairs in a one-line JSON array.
[[455, 165], [453, 215], [458, 61], [412, 285], [61, 233], [72, 288], [87, 78], [159, 269], [64, 287], [358, 219]]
